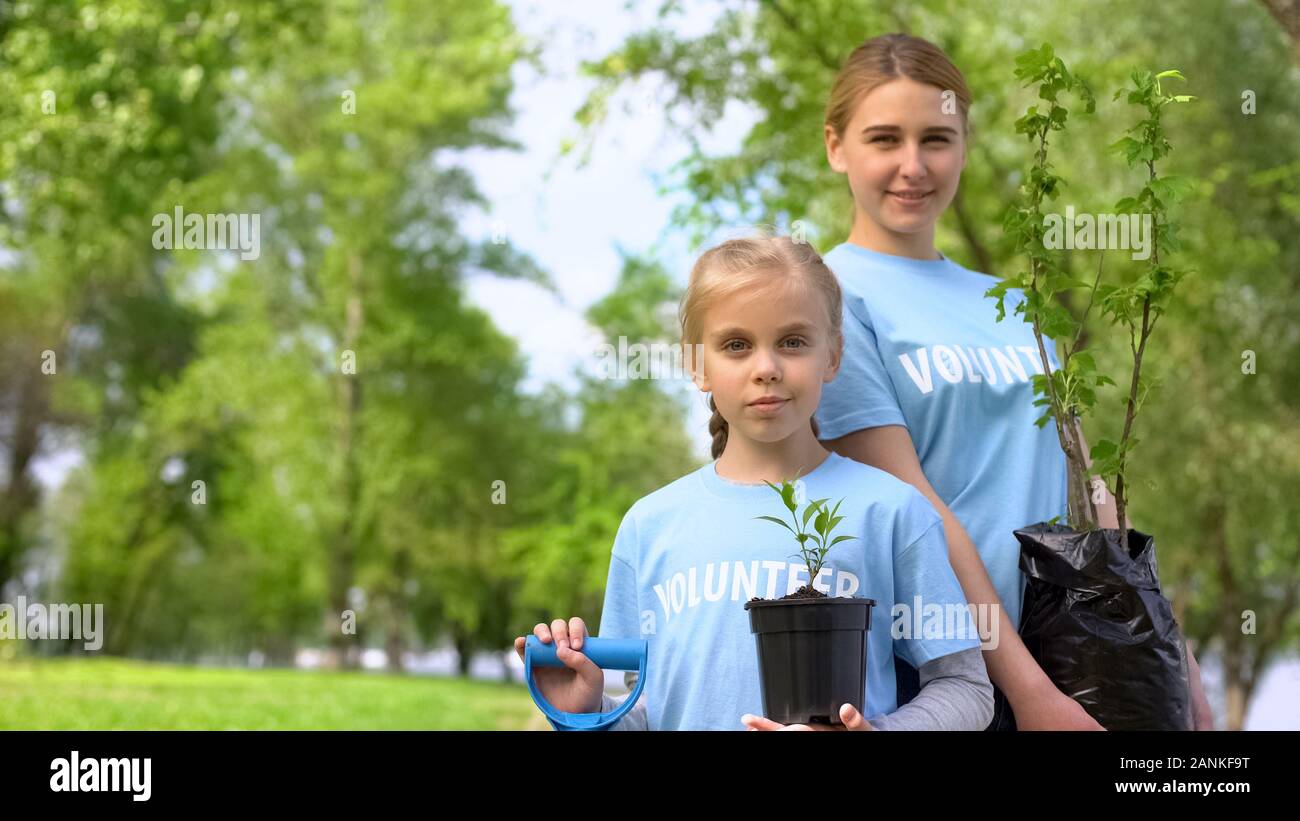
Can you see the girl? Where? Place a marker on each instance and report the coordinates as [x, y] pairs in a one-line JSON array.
[[766, 314], [933, 388]]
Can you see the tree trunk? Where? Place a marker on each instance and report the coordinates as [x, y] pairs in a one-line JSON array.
[[464, 652], [1236, 716], [395, 646], [395, 630], [345, 651], [21, 494], [968, 232], [1235, 684], [280, 651], [1287, 14]]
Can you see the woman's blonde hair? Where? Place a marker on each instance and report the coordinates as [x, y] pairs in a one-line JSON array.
[[745, 265], [888, 57]]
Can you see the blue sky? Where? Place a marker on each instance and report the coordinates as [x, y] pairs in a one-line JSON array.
[[572, 219]]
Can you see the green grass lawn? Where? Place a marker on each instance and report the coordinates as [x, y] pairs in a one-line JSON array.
[[116, 694]]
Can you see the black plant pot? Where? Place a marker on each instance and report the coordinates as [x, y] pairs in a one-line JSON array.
[[1095, 620], [812, 656]]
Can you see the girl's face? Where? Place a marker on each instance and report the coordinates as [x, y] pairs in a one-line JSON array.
[[903, 154], [767, 344]]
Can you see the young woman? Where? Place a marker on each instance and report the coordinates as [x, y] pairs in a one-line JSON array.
[[933, 389]]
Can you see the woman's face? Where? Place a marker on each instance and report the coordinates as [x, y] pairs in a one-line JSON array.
[[772, 342], [903, 152]]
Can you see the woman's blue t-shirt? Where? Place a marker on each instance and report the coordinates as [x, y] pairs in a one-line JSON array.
[[923, 349]]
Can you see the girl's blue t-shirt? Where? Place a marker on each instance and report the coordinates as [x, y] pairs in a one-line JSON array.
[[689, 555], [923, 349]]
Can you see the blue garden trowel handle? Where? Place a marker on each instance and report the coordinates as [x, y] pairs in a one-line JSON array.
[[607, 654]]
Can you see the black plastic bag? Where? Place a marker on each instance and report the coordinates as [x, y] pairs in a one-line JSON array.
[[1095, 620]]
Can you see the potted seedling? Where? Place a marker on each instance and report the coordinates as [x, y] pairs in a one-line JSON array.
[[811, 647], [1093, 614]]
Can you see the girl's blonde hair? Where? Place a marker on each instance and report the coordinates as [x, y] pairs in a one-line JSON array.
[[888, 57], [745, 265]]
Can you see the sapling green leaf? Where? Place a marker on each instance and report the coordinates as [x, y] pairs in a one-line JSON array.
[[778, 521], [811, 509], [824, 522]]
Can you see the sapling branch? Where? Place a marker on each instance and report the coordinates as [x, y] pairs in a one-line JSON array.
[[1157, 282], [1083, 321], [1074, 393], [1035, 268]]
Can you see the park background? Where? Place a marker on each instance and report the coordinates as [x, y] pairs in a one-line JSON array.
[[515, 185]]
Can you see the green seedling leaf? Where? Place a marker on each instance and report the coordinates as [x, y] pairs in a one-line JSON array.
[[778, 521], [812, 508]]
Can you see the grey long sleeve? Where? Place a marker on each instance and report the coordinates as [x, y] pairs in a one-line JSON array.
[[636, 718], [956, 694]]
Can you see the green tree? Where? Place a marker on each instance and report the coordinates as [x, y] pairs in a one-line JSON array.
[[104, 109], [338, 381]]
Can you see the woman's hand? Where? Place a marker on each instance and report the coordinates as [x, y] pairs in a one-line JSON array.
[[852, 719], [1050, 709], [1203, 718]]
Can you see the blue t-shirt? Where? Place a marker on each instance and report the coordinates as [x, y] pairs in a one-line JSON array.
[[689, 555], [923, 348]]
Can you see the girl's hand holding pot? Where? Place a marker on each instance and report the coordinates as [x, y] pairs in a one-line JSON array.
[[852, 719]]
